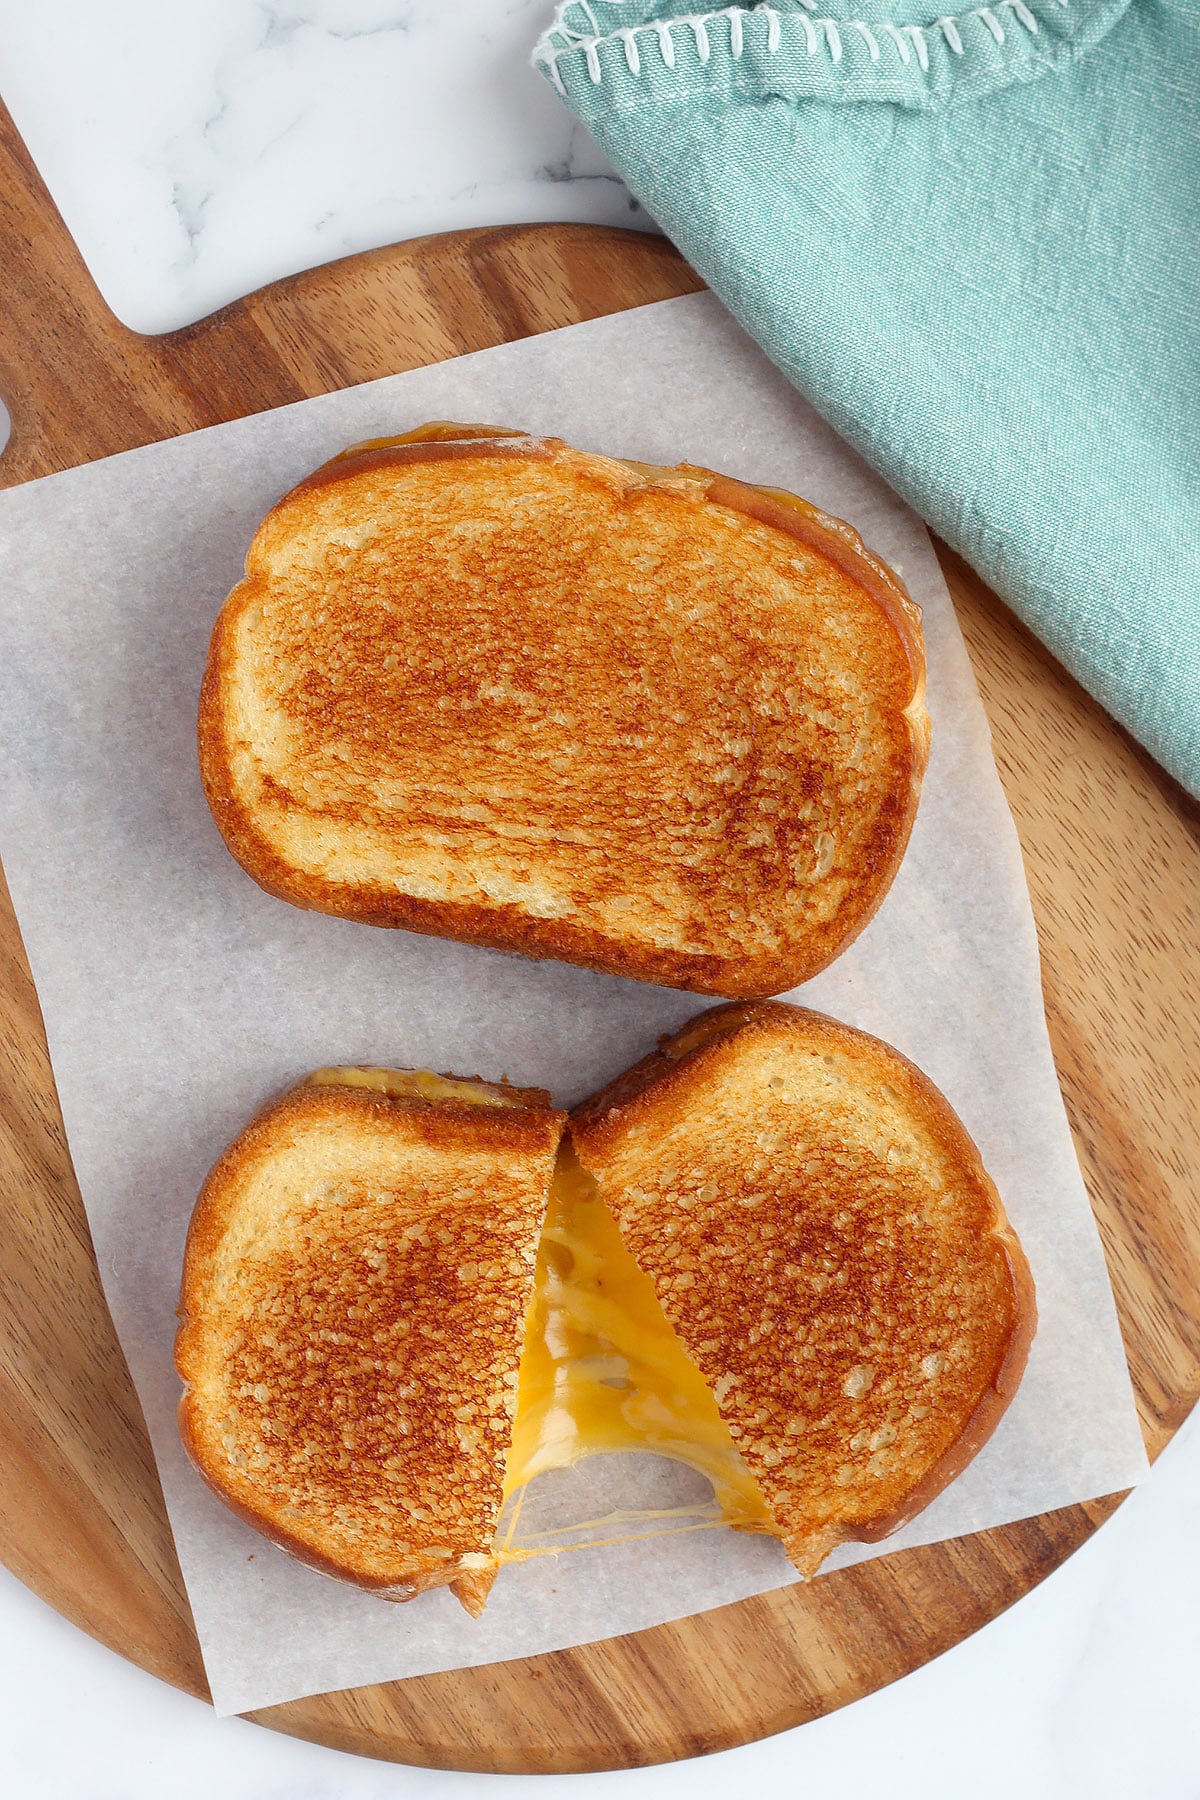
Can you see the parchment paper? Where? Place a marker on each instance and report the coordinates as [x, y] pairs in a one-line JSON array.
[[177, 996]]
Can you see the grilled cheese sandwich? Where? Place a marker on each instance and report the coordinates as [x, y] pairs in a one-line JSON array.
[[769, 1252], [655, 721], [822, 1235], [357, 1276]]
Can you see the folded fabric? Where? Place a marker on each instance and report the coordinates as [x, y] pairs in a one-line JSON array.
[[973, 241]]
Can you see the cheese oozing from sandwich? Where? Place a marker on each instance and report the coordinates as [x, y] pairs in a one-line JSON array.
[[602, 1370]]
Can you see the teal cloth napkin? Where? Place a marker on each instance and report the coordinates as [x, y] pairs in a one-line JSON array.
[[973, 241]]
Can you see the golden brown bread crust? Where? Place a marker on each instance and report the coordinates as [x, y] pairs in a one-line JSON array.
[[615, 736], [826, 1242], [357, 1274]]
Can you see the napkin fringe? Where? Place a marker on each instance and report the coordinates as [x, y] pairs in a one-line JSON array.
[[769, 50]]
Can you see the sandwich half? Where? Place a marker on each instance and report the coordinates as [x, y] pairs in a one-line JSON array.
[[655, 721], [357, 1276], [823, 1239]]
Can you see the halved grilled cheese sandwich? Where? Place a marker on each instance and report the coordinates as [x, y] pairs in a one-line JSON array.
[[821, 1234], [358, 1272], [769, 1251]]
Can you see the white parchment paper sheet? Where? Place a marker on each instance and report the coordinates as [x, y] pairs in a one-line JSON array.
[[177, 996]]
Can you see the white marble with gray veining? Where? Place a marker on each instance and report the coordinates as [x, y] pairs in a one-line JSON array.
[[197, 151]]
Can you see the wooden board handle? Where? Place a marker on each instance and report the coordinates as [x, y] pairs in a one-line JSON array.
[[61, 350]]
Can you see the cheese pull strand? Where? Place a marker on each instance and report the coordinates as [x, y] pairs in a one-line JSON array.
[[701, 1521]]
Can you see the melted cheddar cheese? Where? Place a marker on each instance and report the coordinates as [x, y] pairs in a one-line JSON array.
[[602, 1368], [418, 1084]]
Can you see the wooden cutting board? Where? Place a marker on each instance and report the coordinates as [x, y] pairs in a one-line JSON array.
[[1113, 855]]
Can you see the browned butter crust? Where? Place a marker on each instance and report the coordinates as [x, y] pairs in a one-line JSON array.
[[357, 1273], [654, 721], [825, 1240]]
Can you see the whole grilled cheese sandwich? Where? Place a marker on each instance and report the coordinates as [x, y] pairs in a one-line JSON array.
[[769, 1251], [654, 721]]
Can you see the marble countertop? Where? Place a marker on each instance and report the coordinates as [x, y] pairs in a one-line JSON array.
[[196, 153]]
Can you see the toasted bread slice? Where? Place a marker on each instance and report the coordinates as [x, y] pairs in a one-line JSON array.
[[824, 1239], [654, 721], [357, 1275]]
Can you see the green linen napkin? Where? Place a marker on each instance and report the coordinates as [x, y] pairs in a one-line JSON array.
[[973, 241]]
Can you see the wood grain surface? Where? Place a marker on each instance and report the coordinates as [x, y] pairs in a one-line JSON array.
[[1113, 857]]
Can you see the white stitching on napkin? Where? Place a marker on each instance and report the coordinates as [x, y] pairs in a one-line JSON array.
[[868, 39], [905, 38], [573, 31], [897, 38]]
